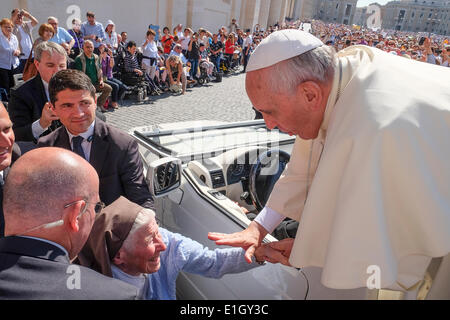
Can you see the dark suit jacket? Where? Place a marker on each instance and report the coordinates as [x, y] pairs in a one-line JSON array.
[[115, 157], [15, 154], [33, 269], [25, 107]]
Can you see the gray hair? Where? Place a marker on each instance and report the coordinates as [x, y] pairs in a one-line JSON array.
[[86, 41], [315, 65], [50, 48], [143, 218], [53, 18]]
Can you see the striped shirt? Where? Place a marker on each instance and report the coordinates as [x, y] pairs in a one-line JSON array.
[[131, 62]]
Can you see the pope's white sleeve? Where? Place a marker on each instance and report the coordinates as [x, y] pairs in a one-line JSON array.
[[269, 219], [37, 129]]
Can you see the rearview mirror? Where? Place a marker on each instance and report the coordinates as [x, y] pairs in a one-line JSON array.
[[164, 176]]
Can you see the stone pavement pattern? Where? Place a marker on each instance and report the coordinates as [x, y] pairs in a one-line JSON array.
[[224, 101]]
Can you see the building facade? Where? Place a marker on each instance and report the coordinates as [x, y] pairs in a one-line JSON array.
[[431, 16], [135, 16]]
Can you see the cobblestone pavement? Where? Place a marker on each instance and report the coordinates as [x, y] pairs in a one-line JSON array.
[[223, 101]]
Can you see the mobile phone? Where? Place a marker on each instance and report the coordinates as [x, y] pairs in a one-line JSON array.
[[421, 41]]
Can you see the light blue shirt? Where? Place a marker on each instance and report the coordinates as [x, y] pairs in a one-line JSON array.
[[185, 254], [181, 55], [62, 36], [7, 47], [97, 30]]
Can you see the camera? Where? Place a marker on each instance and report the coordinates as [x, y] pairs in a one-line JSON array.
[[421, 41]]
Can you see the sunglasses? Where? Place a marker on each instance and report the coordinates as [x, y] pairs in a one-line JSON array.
[[97, 208]]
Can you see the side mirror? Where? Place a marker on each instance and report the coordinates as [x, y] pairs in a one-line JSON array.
[[164, 176]]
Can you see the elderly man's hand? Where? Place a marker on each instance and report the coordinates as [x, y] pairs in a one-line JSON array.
[[284, 247], [266, 253], [249, 239]]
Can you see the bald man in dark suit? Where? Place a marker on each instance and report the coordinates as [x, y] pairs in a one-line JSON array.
[[45, 230]]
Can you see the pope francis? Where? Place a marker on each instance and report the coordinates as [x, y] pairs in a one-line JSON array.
[[369, 175]]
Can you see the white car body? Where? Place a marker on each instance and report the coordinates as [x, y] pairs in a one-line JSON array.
[[196, 207]]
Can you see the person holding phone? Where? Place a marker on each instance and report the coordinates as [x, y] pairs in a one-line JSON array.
[[23, 31], [107, 63]]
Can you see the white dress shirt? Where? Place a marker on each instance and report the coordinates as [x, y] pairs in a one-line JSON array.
[[87, 142]]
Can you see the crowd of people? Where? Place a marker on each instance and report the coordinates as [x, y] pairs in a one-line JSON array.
[[434, 49], [116, 64], [203, 55]]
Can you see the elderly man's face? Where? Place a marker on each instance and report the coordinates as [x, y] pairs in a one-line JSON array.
[[53, 23], [75, 109], [295, 113], [88, 48], [6, 138], [148, 244]]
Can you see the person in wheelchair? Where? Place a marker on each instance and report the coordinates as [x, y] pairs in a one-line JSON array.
[[132, 74], [206, 66]]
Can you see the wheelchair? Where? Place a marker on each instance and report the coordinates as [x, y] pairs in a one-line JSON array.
[[203, 78], [139, 86]]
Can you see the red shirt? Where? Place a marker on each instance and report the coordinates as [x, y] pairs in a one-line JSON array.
[[229, 46], [167, 44]]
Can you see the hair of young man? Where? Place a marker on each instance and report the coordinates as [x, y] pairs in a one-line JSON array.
[[69, 79], [131, 44]]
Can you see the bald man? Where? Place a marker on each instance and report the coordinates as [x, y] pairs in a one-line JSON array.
[[9, 151], [49, 212]]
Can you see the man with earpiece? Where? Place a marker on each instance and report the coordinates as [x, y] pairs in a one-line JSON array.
[[50, 202]]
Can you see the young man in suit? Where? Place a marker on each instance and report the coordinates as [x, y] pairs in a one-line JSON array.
[[113, 153], [45, 230], [29, 103], [9, 152]]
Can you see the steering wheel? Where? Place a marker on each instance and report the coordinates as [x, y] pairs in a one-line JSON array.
[[264, 174]]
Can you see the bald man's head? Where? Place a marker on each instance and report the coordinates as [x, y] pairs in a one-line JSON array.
[[41, 182]]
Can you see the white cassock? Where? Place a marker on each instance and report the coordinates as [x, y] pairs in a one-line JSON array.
[[379, 175]]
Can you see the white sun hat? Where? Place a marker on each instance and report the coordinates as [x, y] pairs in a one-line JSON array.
[[281, 45]]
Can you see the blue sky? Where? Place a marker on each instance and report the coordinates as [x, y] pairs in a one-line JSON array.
[[363, 3]]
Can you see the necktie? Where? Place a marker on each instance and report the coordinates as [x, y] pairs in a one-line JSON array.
[[76, 142]]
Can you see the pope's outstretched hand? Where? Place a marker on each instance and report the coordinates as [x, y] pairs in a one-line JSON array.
[[248, 239]]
